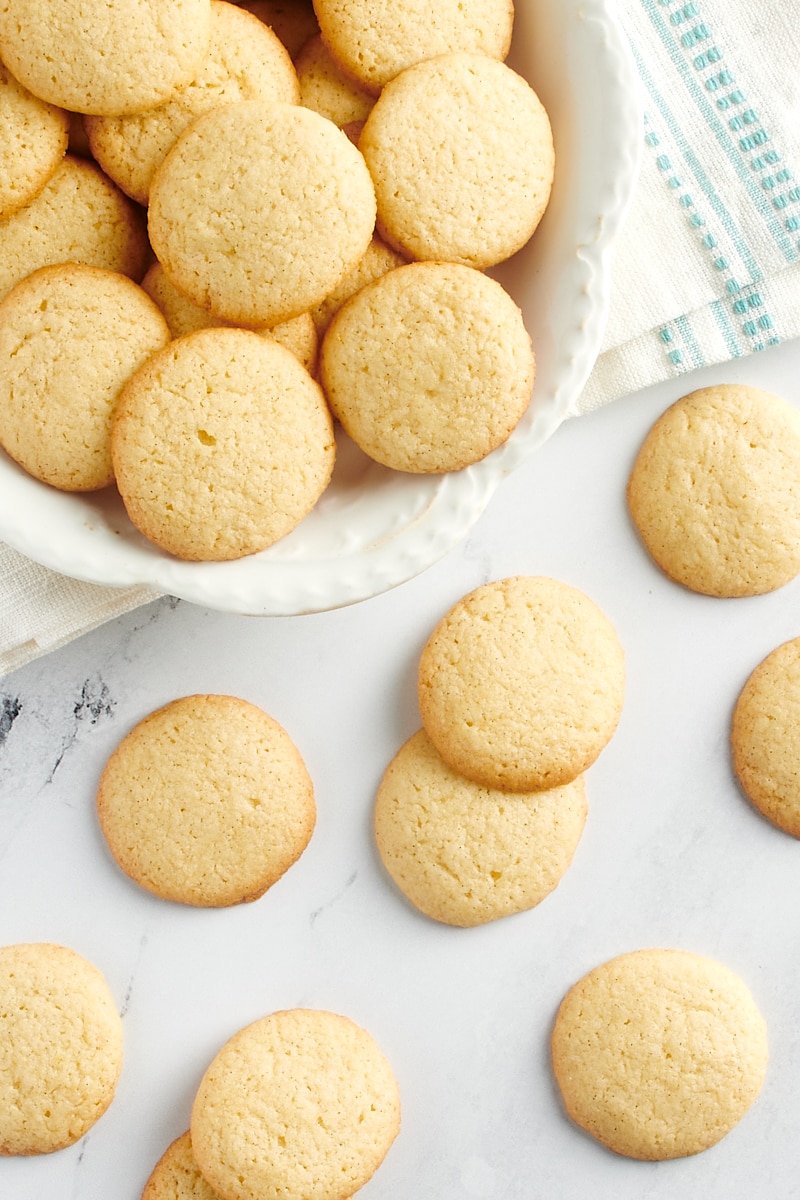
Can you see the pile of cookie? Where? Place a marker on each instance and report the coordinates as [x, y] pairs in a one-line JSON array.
[[252, 249]]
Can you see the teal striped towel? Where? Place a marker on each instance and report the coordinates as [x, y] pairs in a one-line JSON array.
[[707, 268]]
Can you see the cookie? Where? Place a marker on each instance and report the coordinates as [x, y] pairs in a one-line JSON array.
[[659, 1053], [461, 154], [521, 684], [465, 854], [375, 42], [70, 337], [221, 444], [184, 316], [61, 1049], [300, 216], [90, 56], [33, 141], [207, 801], [300, 1103], [765, 737], [79, 216], [294, 21], [176, 1175], [244, 61], [715, 491], [429, 368], [326, 90], [378, 259]]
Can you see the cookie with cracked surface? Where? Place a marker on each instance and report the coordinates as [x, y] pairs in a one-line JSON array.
[[62, 1037], [244, 61], [465, 854], [765, 737], [461, 154], [429, 368], [70, 338], [659, 1053], [78, 216], [207, 801], [521, 684], [715, 491], [254, 1139], [89, 56], [184, 316], [221, 444], [375, 42], [300, 217], [33, 141]]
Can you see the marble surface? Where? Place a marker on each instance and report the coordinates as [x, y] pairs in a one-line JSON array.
[[672, 855]]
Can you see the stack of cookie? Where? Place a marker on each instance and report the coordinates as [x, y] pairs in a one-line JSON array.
[[350, 190], [520, 689]]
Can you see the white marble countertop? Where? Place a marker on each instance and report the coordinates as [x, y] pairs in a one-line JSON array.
[[672, 855]]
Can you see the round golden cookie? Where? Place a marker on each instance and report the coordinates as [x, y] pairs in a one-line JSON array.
[[765, 737], [378, 259], [244, 61], [375, 42], [184, 316], [429, 368], [465, 854], [300, 216], [659, 1053], [207, 801], [221, 444], [176, 1175], [461, 154], [33, 140], [300, 1103], [715, 491], [326, 90], [294, 21], [60, 1050], [70, 337], [90, 56], [79, 216], [521, 684]]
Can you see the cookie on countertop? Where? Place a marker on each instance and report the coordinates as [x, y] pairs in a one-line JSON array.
[[294, 21], [33, 141], [465, 854], [184, 316], [61, 1049], [300, 217], [765, 737], [244, 61], [299, 1103], [715, 491], [176, 1175], [460, 150], [521, 684], [375, 42], [326, 90], [221, 444], [429, 368], [207, 801], [79, 216], [90, 56], [659, 1053], [70, 338]]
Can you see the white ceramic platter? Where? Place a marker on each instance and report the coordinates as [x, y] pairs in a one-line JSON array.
[[374, 528]]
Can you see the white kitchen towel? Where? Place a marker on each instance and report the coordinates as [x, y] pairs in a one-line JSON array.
[[706, 270]]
